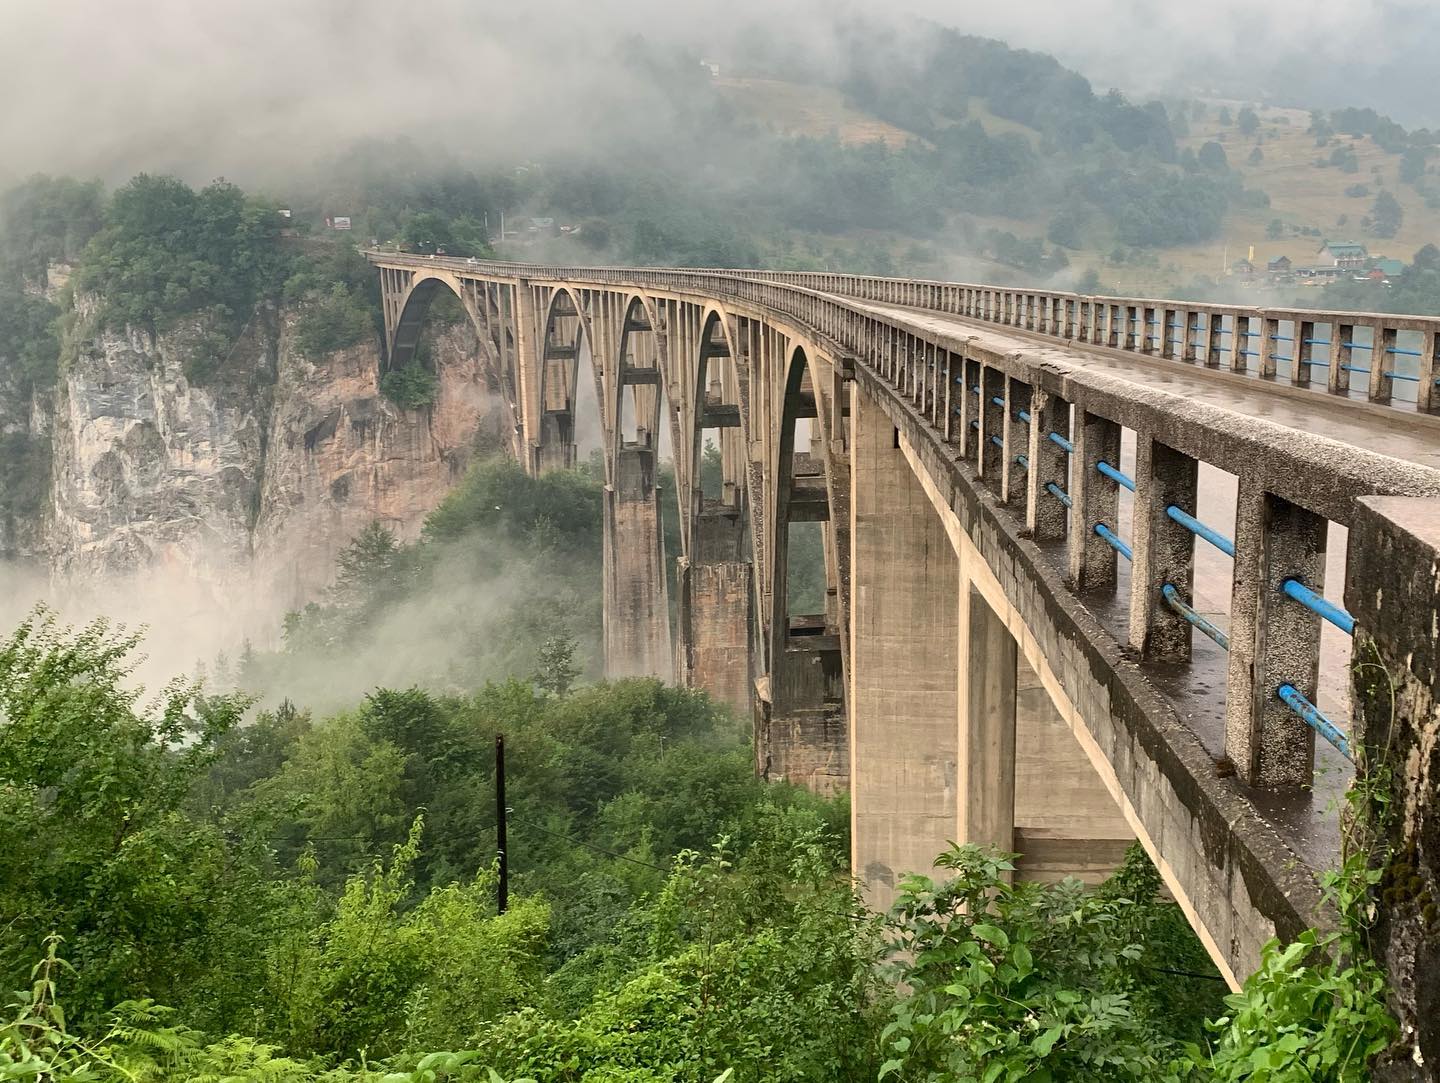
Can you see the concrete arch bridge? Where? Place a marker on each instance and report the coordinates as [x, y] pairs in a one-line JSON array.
[[1086, 558]]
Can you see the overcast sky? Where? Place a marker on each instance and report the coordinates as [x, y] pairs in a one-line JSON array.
[[209, 87]]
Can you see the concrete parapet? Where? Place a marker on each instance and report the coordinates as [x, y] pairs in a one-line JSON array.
[[1395, 686]]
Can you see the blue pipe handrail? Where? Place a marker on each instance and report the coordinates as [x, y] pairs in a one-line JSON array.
[[1312, 717], [1114, 541], [1318, 604], [1173, 599], [1116, 476], [1065, 445], [1199, 529], [1058, 493]]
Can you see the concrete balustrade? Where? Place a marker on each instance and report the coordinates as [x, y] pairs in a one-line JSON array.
[[906, 456]]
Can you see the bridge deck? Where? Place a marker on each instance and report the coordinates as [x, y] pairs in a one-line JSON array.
[[1309, 822]]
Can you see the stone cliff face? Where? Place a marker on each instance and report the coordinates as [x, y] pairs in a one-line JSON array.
[[340, 456], [246, 484]]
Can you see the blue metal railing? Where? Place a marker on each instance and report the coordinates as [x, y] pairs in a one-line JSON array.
[[1313, 718], [1116, 476], [1173, 599], [1200, 530], [1023, 461], [1316, 603], [1114, 541], [1065, 445], [1058, 493]]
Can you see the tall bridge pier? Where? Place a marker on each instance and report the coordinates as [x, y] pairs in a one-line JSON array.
[[1084, 562]]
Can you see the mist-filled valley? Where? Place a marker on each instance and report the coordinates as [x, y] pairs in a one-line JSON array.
[[316, 757]]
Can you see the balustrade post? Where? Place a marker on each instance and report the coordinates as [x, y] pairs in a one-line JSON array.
[[992, 424], [1151, 332], [1382, 347], [1085, 320], [1164, 550], [970, 412], [1046, 515], [1017, 441], [1429, 365], [1070, 304], [1269, 340], [1190, 324], [1214, 338], [1117, 330], [1240, 343], [951, 399], [1169, 333], [1273, 640], [1304, 352], [1392, 591], [1094, 499], [1342, 352]]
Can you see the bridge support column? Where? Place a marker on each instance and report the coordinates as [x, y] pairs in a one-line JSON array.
[[903, 663], [716, 594], [1066, 821], [986, 812], [637, 610], [1273, 640]]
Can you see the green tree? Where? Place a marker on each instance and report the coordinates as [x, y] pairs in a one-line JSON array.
[[1212, 157], [556, 669], [1386, 215], [1248, 121], [334, 320], [95, 845]]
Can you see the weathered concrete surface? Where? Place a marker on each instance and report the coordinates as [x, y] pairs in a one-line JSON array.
[[716, 611], [1066, 822], [637, 612], [1395, 554], [905, 667], [1224, 863]]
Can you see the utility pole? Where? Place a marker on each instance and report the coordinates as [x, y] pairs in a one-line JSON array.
[[502, 894]]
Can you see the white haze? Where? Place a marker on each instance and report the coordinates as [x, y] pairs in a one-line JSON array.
[[255, 89], [260, 89]]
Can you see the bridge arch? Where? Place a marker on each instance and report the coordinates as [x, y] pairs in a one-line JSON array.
[[408, 296], [717, 625], [565, 335], [802, 721]]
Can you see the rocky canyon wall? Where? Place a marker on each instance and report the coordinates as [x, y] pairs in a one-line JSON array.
[[235, 492]]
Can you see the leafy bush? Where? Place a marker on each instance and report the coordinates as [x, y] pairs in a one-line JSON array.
[[332, 321], [410, 387]]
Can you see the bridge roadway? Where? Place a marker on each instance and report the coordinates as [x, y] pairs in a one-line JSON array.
[[1308, 819], [1009, 483]]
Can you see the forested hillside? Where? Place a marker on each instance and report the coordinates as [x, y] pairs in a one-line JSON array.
[[192, 888]]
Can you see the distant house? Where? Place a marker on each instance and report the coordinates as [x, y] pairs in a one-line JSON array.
[[538, 225], [1387, 269], [1347, 255], [1242, 267], [1280, 265]]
